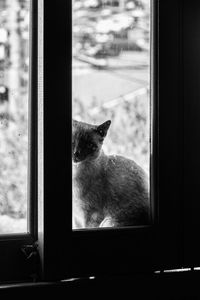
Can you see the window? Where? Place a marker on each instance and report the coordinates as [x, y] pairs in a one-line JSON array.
[[166, 243], [76, 253], [18, 140], [111, 89], [14, 115]]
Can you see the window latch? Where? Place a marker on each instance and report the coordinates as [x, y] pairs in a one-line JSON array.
[[30, 251], [32, 257]]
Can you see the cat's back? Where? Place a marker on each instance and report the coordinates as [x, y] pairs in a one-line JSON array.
[[129, 191], [125, 170]]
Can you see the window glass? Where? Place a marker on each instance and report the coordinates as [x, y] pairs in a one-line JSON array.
[[14, 79], [111, 113]]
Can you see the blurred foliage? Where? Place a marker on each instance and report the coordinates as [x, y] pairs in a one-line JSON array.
[[13, 161], [14, 117]]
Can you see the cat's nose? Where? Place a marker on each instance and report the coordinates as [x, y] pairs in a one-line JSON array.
[[77, 153]]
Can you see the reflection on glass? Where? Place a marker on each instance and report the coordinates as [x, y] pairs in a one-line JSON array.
[[14, 62], [111, 114]]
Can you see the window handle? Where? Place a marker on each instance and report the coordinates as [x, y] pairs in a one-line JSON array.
[[32, 257], [30, 250]]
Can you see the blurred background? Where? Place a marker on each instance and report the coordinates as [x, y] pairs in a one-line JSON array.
[[111, 69], [14, 67]]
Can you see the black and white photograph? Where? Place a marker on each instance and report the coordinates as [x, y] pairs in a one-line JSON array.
[[99, 149]]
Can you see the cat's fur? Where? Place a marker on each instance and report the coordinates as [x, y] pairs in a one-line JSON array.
[[107, 190]]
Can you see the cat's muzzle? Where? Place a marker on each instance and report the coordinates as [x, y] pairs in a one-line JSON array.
[[76, 157]]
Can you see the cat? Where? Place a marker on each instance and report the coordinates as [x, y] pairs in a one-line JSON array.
[[108, 190]]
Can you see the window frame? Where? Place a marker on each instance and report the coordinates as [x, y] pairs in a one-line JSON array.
[[191, 77], [66, 253], [14, 263]]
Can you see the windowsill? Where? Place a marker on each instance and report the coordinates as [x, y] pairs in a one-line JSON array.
[[175, 284]]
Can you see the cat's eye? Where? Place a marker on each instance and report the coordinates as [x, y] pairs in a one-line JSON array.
[[111, 81]]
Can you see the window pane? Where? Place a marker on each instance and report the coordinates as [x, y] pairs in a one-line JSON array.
[[111, 113], [14, 65]]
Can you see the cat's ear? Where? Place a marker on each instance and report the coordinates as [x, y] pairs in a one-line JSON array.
[[103, 128]]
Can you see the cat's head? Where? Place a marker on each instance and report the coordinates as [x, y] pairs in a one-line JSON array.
[[87, 140]]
